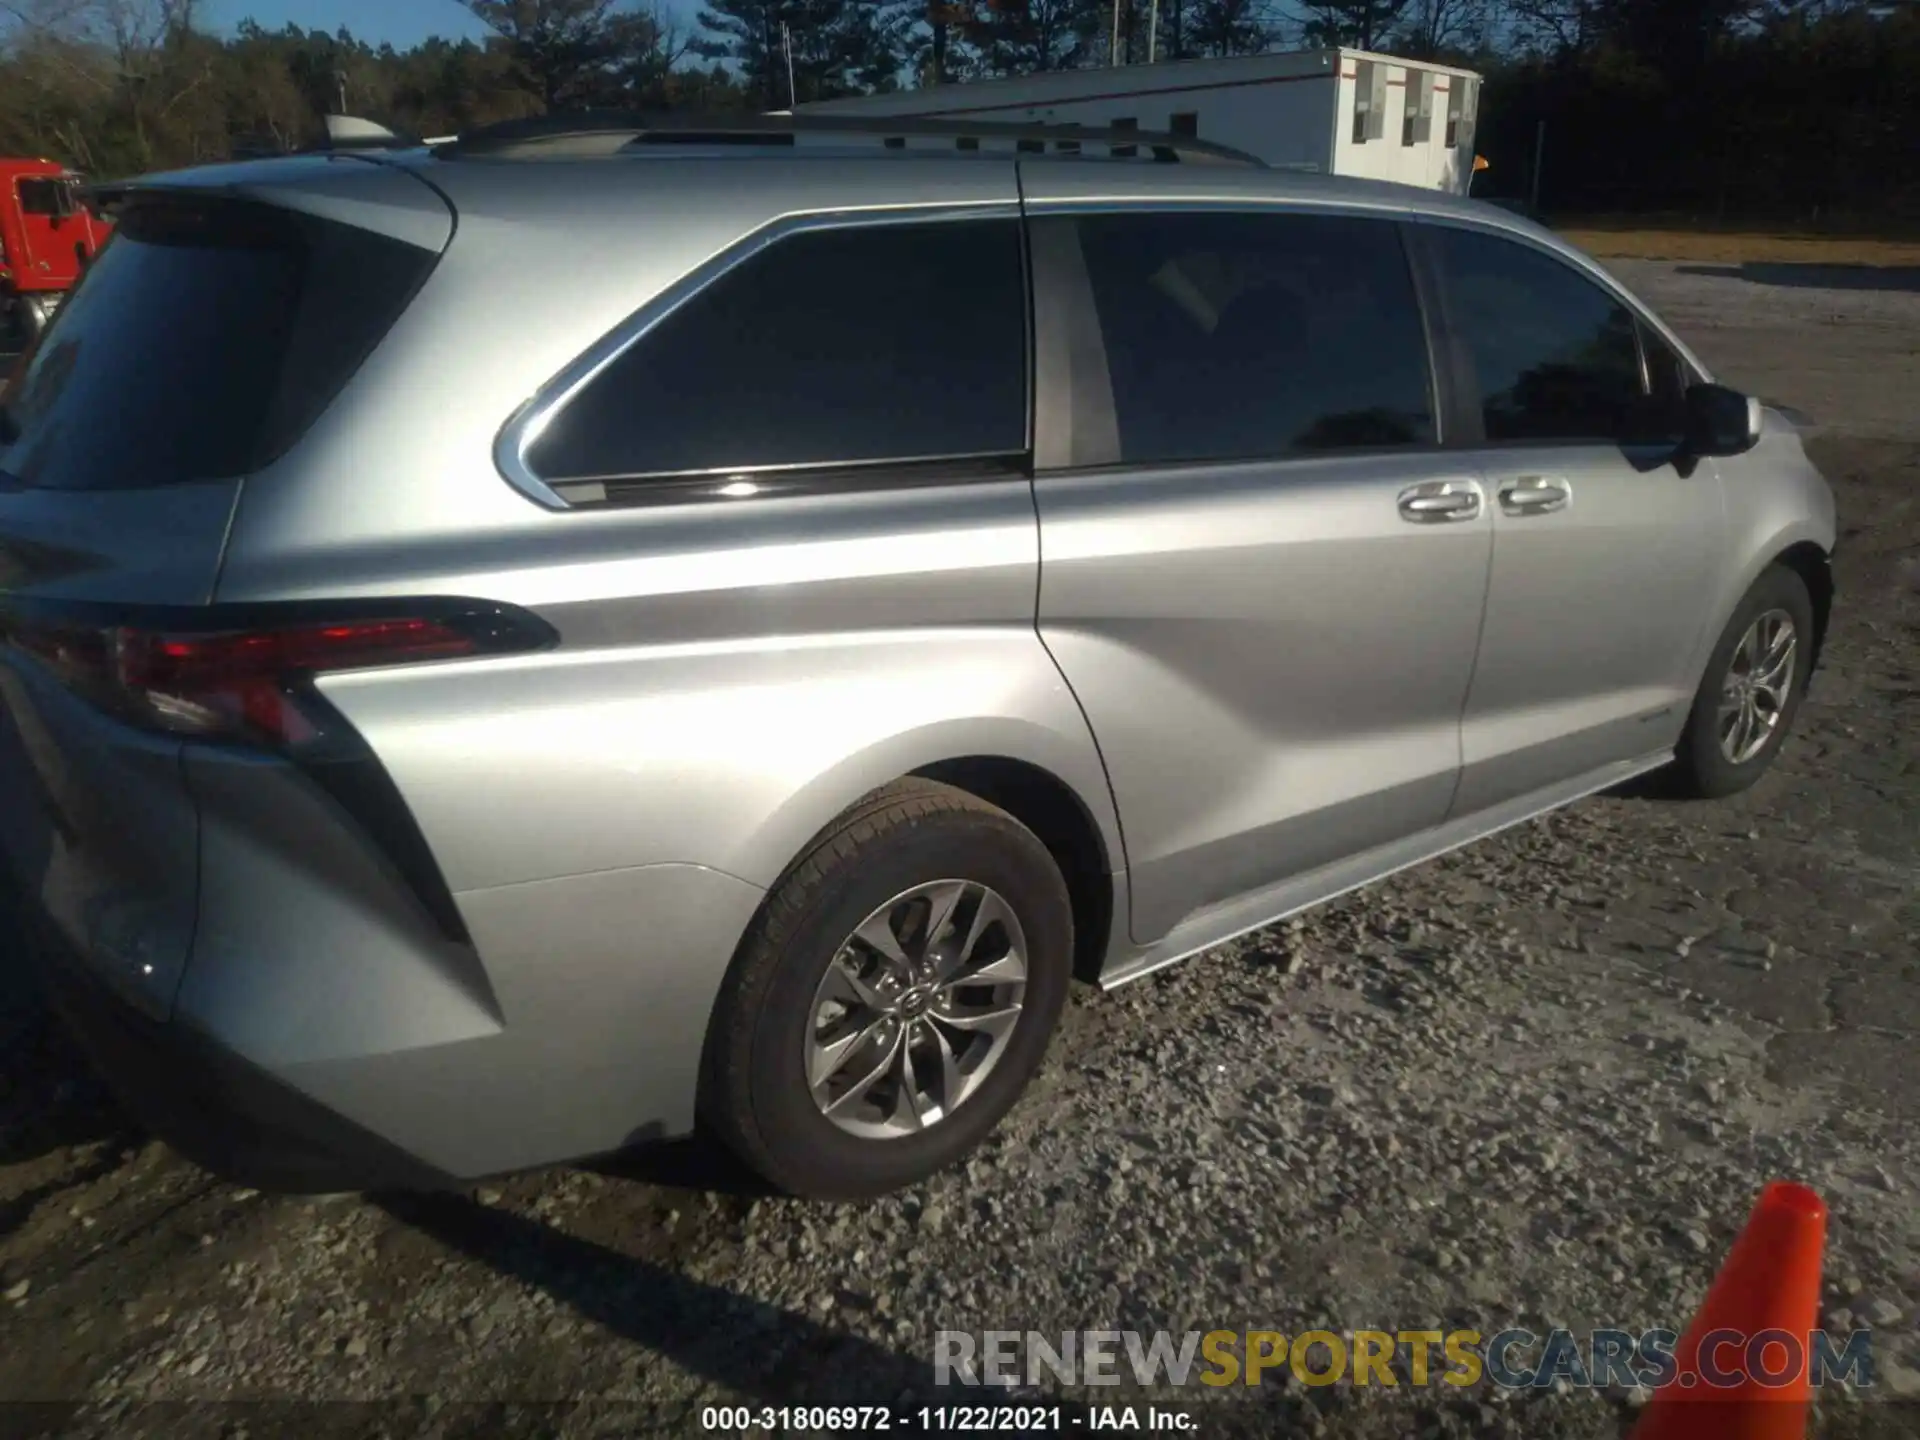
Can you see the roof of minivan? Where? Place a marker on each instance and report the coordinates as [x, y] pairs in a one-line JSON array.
[[1121, 178], [485, 185]]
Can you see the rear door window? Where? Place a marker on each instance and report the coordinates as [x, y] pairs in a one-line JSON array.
[[1554, 356], [850, 345], [206, 338], [1241, 336]]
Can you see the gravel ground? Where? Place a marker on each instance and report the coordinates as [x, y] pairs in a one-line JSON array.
[[1538, 1082]]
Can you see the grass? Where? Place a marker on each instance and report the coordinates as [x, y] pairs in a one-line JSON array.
[[1643, 240]]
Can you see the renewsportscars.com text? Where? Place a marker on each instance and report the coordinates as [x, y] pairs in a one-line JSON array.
[[1512, 1359]]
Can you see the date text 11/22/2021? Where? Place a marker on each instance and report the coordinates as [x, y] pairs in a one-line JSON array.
[[955, 1419]]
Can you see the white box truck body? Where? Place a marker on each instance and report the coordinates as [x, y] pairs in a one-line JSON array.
[[1346, 112]]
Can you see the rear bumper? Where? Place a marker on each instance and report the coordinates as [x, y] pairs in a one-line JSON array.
[[266, 990], [605, 1053], [209, 1104]]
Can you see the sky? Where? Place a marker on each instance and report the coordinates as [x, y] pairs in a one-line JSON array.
[[401, 22]]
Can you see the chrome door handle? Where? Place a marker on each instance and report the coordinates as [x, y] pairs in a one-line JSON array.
[[1535, 495], [1435, 502]]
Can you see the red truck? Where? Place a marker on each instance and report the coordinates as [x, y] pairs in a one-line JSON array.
[[48, 234]]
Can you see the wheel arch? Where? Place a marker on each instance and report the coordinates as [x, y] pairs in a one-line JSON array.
[[1055, 777], [1056, 813], [1799, 548], [1814, 565], [1053, 783]]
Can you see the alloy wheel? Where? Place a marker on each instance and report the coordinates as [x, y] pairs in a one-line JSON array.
[[1759, 678], [916, 1008]]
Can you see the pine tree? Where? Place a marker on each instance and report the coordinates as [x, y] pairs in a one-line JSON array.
[[837, 47], [570, 53]]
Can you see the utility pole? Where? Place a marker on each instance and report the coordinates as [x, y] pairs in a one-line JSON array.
[[786, 44]]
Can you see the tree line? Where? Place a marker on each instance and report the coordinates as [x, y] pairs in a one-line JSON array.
[[1782, 110]]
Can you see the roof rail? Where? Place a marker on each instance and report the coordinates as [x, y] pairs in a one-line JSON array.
[[591, 134]]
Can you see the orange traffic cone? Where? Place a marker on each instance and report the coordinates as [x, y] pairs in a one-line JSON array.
[[1741, 1370]]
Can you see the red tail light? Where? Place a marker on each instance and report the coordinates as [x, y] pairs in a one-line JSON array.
[[205, 684], [203, 678]]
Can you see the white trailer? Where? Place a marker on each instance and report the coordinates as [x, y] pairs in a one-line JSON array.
[[1346, 112]]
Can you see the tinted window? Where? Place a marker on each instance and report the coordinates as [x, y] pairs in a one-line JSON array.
[[1554, 354], [1234, 336], [831, 347], [206, 338], [1667, 374]]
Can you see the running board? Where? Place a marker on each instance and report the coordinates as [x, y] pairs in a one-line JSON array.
[[1329, 882]]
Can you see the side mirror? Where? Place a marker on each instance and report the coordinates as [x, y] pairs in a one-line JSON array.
[[1720, 421]]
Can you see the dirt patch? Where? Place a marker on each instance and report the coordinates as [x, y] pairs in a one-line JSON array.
[[1839, 343], [1735, 248]]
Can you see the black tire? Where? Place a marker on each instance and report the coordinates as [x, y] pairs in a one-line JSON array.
[[33, 320], [1702, 770], [13, 328], [914, 832]]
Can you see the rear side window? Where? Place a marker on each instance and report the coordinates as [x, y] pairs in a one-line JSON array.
[[1238, 336], [841, 346], [207, 336], [1555, 356]]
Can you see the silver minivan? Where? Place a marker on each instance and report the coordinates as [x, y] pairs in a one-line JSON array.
[[523, 646]]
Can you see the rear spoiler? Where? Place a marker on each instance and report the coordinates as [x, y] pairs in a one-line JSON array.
[[346, 134]]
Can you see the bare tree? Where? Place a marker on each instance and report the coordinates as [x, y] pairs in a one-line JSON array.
[[1363, 23], [1429, 28], [132, 53], [123, 26], [1227, 27], [1557, 25]]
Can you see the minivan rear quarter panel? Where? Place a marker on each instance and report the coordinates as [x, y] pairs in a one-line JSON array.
[[729, 677]]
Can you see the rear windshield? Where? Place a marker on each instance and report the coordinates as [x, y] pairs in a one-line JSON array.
[[206, 338]]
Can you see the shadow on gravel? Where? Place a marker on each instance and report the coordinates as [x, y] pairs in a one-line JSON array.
[[770, 1355], [1657, 785], [49, 1097], [1814, 277], [697, 1162], [16, 1210]]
